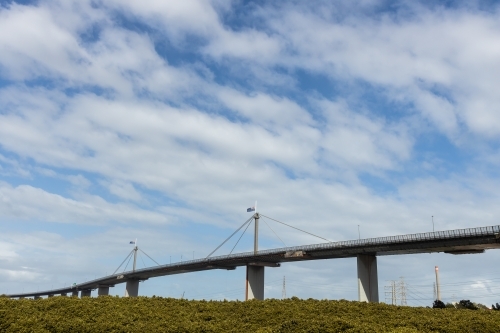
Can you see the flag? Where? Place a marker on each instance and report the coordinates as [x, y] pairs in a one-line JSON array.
[[251, 209], [132, 242]]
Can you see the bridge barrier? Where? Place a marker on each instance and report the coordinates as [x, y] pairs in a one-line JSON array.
[[491, 231]]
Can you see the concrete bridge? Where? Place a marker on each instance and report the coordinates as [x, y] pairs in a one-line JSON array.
[[460, 241]]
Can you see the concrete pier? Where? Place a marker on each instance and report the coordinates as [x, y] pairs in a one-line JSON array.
[[132, 288], [255, 283], [74, 293], [64, 294], [103, 291], [86, 293], [367, 278]]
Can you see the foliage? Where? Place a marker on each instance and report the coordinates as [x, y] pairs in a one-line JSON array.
[[466, 304], [450, 306], [481, 306], [156, 314], [496, 308], [438, 304]]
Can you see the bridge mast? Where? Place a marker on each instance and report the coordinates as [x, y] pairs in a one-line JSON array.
[[256, 236], [135, 255], [132, 286], [255, 271]]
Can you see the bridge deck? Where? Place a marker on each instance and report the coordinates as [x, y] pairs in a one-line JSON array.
[[461, 241]]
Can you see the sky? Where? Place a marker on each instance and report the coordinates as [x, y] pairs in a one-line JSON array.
[[162, 121]]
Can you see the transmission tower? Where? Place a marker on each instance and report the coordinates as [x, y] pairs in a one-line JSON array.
[[401, 290], [391, 295], [396, 292], [283, 293]]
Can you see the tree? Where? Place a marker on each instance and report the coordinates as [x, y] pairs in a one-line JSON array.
[[481, 306], [497, 308], [438, 304], [466, 304]]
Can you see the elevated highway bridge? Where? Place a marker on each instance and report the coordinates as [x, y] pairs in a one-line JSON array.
[[460, 241]]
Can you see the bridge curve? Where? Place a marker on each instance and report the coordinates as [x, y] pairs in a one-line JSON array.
[[460, 241]]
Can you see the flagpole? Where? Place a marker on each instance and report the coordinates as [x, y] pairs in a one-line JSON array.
[[256, 234], [135, 255]]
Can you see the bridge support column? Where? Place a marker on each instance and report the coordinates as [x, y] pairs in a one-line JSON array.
[[64, 294], [367, 278], [103, 291], [132, 288], [51, 295], [255, 283], [86, 293], [74, 293]]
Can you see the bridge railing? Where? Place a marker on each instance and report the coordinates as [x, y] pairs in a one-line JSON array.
[[438, 235], [426, 236]]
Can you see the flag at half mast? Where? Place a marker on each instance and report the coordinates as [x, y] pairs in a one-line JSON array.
[[253, 208]]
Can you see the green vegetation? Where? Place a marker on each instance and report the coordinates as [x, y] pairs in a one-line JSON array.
[[438, 305], [113, 314]]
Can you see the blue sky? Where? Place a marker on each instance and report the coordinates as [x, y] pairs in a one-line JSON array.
[[164, 121]]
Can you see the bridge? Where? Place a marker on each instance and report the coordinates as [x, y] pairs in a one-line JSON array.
[[460, 241]]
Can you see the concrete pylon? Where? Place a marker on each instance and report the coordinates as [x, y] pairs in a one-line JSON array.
[[254, 288], [103, 291], [74, 293], [86, 293], [254, 283], [64, 294], [132, 288], [367, 278]]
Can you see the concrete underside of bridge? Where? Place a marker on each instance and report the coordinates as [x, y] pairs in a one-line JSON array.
[[254, 283], [86, 293]]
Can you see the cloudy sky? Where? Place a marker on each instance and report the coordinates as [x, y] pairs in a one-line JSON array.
[[164, 120]]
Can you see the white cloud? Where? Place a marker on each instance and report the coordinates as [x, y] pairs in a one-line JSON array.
[[25, 202], [358, 141], [125, 191], [29, 51], [456, 49], [195, 17], [8, 252]]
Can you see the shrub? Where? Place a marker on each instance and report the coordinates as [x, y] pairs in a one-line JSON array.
[[466, 304], [143, 314], [438, 304]]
